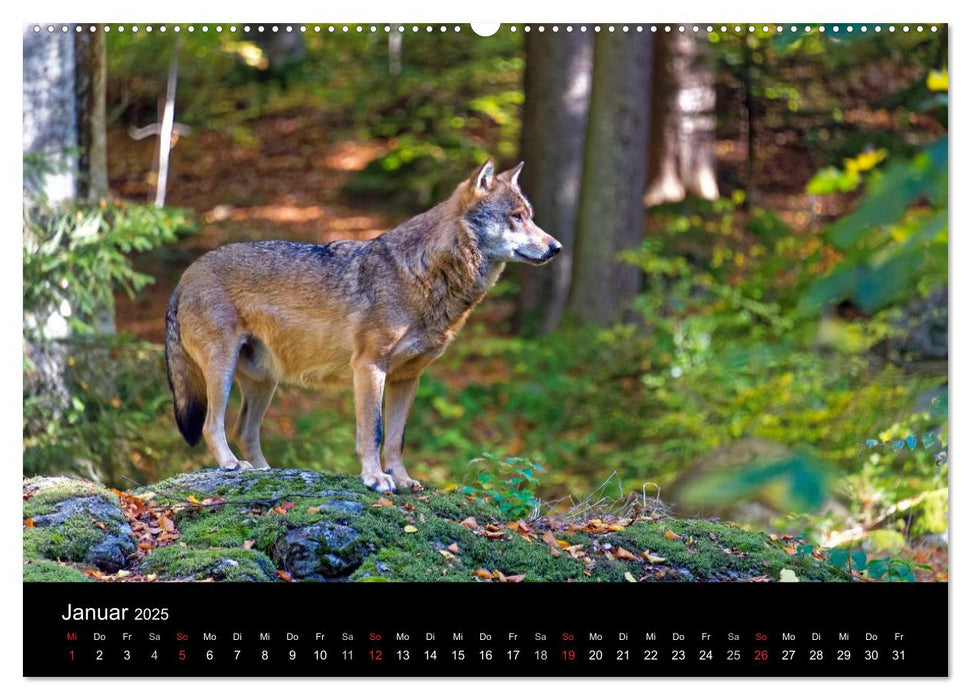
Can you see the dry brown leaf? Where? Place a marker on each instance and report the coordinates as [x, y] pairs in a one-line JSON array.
[[313, 510], [454, 548], [470, 523], [484, 573], [671, 535], [248, 544], [285, 575], [382, 503], [622, 553], [29, 522], [628, 576]]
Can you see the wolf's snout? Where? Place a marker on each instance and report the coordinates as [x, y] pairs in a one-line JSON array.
[[553, 250]]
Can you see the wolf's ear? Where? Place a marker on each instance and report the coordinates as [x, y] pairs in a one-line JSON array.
[[512, 175], [483, 177]]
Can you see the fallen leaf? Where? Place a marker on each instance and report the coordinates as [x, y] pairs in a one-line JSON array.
[[410, 528], [517, 578], [671, 535], [313, 510], [484, 573], [100, 525], [788, 576], [622, 553], [382, 503], [711, 536], [652, 559], [248, 544], [29, 522], [470, 523], [630, 577], [454, 548], [284, 575]]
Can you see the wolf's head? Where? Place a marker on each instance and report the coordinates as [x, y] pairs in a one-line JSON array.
[[501, 218]]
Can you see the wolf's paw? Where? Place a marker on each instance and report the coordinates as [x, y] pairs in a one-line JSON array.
[[235, 466], [258, 467], [380, 482], [406, 483]]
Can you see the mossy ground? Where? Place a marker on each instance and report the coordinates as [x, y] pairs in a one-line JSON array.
[[51, 571], [245, 527]]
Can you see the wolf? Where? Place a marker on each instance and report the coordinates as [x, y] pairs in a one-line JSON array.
[[371, 315]]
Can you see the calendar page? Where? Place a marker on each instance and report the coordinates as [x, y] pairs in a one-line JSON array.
[[514, 349]]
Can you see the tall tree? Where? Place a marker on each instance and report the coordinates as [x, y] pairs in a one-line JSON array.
[[557, 89], [91, 71], [611, 211], [50, 129], [682, 158]]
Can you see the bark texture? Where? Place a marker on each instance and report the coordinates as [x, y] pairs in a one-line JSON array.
[[611, 211], [557, 88]]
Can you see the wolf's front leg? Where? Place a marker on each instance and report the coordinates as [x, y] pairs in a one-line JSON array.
[[368, 392], [398, 397]]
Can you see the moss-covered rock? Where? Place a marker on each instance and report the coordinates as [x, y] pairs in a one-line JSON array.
[[310, 526], [77, 521], [216, 563]]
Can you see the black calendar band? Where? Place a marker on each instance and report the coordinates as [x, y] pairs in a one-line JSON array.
[[489, 629]]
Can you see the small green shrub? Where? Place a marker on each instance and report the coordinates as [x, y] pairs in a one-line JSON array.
[[510, 483]]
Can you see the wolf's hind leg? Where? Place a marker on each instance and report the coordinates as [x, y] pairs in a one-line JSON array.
[[218, 372], [398, 397], [256, 399], [368, 392]]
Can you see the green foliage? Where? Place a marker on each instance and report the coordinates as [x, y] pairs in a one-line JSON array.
[[75, 255], [88, 399], [437, 139], [510, 484], [895, 240], [112, 424], [876, 569]]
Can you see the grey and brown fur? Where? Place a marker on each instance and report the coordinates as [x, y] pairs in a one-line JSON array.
[[367, 314]]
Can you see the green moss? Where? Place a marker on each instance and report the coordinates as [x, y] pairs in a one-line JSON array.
[[69, 540], [50, 571], [220, 564]]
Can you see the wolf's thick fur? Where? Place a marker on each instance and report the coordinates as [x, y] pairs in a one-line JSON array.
[[368, 314]]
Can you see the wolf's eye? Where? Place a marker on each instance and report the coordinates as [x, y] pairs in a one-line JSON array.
[[518, 217]]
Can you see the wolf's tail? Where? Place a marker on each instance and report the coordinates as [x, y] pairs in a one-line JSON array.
[[188, 391]]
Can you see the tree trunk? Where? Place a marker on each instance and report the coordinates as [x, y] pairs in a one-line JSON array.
[[557, 87], [90, 78], [90, 72], [611, 211], [50, 129], [682, 158]]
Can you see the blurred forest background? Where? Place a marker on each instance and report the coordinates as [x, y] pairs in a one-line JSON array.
[[749, 320]]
